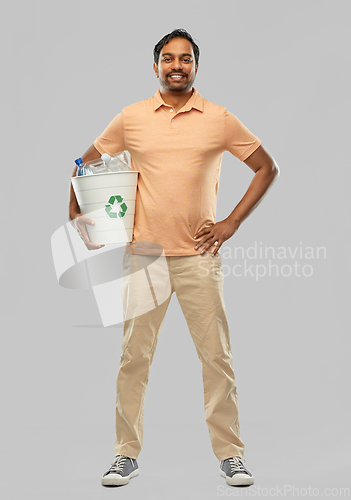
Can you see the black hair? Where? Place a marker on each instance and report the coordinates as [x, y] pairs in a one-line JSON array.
[[179, 33]]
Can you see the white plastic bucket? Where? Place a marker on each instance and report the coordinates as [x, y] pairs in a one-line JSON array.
[[109, 200]]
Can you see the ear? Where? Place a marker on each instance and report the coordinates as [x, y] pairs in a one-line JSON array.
[[197, 66], [156, 69]]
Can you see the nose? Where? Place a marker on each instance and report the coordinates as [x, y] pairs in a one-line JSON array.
[[177, 64]]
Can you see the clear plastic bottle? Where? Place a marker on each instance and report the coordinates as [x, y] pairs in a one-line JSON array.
[[100, 165], [118, 163], [109, 163], [80, 166], [105, 159], [82, 169]]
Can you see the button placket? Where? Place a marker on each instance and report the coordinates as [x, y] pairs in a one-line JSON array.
[[173, 115]]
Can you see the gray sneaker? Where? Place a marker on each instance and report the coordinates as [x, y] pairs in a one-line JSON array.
[[121, 470], [234, 472]]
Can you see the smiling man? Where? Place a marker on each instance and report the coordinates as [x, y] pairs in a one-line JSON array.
[[172, 80], [176, 140]]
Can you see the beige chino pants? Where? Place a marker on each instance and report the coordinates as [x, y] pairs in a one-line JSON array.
[[197, 281]]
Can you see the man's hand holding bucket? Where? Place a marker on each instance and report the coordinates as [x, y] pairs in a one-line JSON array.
[[78, 223]]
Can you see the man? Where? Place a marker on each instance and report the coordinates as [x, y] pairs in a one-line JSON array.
[[176, 140]]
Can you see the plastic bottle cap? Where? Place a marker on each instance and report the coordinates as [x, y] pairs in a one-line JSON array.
[[78, 162], [105, 157]]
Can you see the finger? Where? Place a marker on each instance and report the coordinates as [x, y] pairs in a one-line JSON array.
[[200, 244], [85, 236], [90, 222], [203, 240], [84, 220], [203, 231], [198, 235], [209, 240], [94, 246], [217, 247], [206, 246], [88, 243]]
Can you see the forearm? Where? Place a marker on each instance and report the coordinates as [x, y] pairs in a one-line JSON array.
[[91, 154], [258, 188]]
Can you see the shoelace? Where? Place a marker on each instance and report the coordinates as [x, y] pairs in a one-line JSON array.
[[236, 464], [118, 464]]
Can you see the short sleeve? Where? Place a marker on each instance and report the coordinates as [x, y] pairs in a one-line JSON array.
[[238, 139], [111, 140]]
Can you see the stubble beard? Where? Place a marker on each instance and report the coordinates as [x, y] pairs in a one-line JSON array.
[[187, 85]]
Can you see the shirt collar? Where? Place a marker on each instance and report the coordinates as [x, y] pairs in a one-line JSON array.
[[195, 101]]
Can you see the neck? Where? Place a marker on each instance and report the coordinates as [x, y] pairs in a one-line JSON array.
[[176, 99]]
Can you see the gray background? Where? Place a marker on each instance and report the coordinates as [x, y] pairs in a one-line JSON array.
[[283, 68]]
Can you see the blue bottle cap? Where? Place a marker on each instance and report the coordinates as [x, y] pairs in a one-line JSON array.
[[78, 162]]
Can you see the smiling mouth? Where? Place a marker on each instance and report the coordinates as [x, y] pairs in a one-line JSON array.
[[176, 77]]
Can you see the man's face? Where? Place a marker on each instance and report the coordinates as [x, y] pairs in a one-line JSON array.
[[176, 66]]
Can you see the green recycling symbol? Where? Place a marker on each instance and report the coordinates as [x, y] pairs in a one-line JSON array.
[[109, 207]]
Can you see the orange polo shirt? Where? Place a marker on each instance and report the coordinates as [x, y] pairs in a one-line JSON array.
[[178, 156]]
